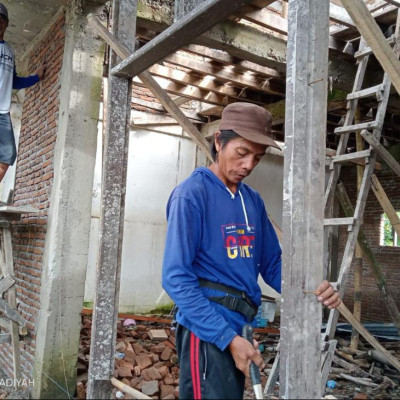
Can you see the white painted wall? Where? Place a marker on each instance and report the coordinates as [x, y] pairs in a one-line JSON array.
[[157, 163]]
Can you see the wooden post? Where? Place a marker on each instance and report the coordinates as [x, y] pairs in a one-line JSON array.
[[303, 210], [358, 270], [370, 258], [104, 327]]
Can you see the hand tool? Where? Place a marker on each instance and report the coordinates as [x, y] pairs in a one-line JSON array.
[[247, 333]]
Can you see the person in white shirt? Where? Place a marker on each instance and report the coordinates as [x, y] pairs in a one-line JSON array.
[[10, 80]]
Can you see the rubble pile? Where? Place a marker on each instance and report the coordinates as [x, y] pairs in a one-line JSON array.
[[146, 360], [364, 373]]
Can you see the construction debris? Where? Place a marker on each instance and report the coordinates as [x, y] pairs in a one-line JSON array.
[[146, 361]]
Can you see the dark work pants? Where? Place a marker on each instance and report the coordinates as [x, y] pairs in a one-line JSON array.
[[206, 372]]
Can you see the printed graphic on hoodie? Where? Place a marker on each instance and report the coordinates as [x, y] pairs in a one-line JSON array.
[[238, 240]]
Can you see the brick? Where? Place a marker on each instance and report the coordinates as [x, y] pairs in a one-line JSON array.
[[124, 372], [151, 374], [169, 379], [167, 390], [135, 381], [130, 356], [169, 344], [158, 334], [138, 348], [360, 396], [143, 361], [164, 371], [169, 397], [120, 346], [150, 388], [158, 349], [166, 354], [155, 358]]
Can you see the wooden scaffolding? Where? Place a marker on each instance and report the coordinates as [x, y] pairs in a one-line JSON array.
[[309, 39]]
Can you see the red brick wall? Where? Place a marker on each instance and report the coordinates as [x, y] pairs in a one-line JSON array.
[[34, 178], [373, 307]]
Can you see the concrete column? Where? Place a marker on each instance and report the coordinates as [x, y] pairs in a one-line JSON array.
[[66, 248], [303, 206]]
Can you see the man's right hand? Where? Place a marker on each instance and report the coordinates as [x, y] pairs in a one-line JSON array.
[[243, 353]]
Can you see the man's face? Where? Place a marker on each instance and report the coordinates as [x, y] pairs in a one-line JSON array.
[[237, 159], [3, 25]]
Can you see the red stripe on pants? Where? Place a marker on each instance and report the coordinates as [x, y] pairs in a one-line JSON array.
[[194, 365]]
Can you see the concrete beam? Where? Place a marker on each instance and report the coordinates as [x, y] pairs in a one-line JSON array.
[[182, 32], [248, 43], [67, 239], [182, 7]]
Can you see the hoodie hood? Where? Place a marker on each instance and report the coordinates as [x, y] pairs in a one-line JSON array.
[[214, 178]]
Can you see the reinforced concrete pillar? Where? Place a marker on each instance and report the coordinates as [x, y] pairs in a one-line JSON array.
[[67, 239], [303, 205]]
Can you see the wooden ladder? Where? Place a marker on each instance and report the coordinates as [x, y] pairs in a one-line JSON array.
[[381, 92], [11, 321], [370, 128]]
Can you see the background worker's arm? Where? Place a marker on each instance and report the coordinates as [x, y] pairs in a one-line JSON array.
[[20, 82]]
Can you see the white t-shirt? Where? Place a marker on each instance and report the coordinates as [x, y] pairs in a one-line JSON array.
[[7, 62]]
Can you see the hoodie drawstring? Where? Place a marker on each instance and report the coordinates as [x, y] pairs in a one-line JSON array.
[[244, 210], [243, 206]]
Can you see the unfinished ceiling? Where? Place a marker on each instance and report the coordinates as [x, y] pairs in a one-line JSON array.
[[27, 19], [244, 58]]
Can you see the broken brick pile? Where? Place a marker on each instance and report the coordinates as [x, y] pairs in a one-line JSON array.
[[146, 359]]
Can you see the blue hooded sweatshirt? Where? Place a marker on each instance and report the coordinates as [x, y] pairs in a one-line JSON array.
[[222, 237]]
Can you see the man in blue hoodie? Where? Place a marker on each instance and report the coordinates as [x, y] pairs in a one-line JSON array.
[[219, 240], [9, 80]]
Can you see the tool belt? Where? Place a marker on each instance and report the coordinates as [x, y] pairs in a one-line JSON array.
[[234, 299]]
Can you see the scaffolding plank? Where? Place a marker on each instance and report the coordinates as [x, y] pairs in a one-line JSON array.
[[182, 32], [389, 159], [304, 175], [368, 337], [5, 284]]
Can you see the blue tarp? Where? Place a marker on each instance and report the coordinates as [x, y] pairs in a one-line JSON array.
[[381, 330]]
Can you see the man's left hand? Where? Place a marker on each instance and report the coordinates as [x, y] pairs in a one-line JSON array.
[[327, 295], [41, 72]]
